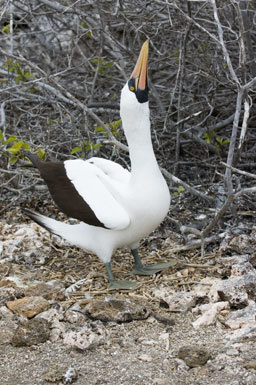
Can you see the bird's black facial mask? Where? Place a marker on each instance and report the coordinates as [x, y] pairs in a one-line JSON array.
[[141, 94]]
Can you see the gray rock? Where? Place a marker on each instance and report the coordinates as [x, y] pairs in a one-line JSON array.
[[49, 291], [243, 317], [7, 331], [59, 374], [115, 310], [240, 269], [237, 290], [84, 337], [178, 302], [7, 294], [31, 332], [74, 317], [250, 365], [193, 355]]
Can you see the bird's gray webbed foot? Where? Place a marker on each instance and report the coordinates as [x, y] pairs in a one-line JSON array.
[[141, 269], [122, 285], [115, 284]]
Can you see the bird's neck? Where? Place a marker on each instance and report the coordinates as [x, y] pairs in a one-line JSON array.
[[143, 160]]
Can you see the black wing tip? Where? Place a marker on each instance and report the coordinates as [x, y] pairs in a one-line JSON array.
[[33, 158]]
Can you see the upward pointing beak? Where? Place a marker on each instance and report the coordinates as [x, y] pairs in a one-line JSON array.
[[141, 68]]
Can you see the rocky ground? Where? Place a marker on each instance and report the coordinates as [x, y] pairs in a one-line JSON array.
[[192, 324]]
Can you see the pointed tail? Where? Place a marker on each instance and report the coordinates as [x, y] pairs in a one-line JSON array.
[[49, 224]]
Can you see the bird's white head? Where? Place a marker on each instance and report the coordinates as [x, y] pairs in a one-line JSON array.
[[134, 95]]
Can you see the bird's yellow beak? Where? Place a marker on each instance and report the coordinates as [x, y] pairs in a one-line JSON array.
[[141, 68]]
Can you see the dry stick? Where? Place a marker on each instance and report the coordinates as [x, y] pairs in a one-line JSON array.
[[173, 4], [62, 90], [247, 106], [227, 178], [241, 89], [192, 190], [195, 244], [96, 72], [223, 46], [224, 208], [244, 40], [2, 113], [247, 28], [58, 7], [231, 150], [180, 96], [240, 171], [172, 98]]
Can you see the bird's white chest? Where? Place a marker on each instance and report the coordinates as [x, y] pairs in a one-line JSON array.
[[147, 203]]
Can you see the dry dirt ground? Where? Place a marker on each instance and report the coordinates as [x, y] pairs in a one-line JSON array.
[[140, 352]]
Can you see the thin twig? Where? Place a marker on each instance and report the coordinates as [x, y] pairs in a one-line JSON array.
[[245, 173], [192, 190]]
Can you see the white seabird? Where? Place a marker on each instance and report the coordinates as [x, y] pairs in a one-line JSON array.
[[117, 208]]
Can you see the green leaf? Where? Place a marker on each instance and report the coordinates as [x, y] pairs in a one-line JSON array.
[[75, 150], [17, 79], [7, 64], [52, 122], [179, 191], [1, 137], [88, 146], [13, 159], [11, 139], [28, 75], [116, 123], [100, 129], [208, 136], [6, 29], [221, 141], [95, 146], [41, 153], [25, 146], [109, 64], [16, 147]]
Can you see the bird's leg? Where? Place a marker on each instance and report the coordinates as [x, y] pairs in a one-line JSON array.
[[109, 271], [118, 285], [141, 269], [137, 261]]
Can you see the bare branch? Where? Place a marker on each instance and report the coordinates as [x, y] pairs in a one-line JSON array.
[[223, 45], [248, 174]]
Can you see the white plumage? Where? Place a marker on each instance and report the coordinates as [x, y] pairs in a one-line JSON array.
[[129, 204]]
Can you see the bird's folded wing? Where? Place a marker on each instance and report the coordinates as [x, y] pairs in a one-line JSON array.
[[110, 168], [89, 181]]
